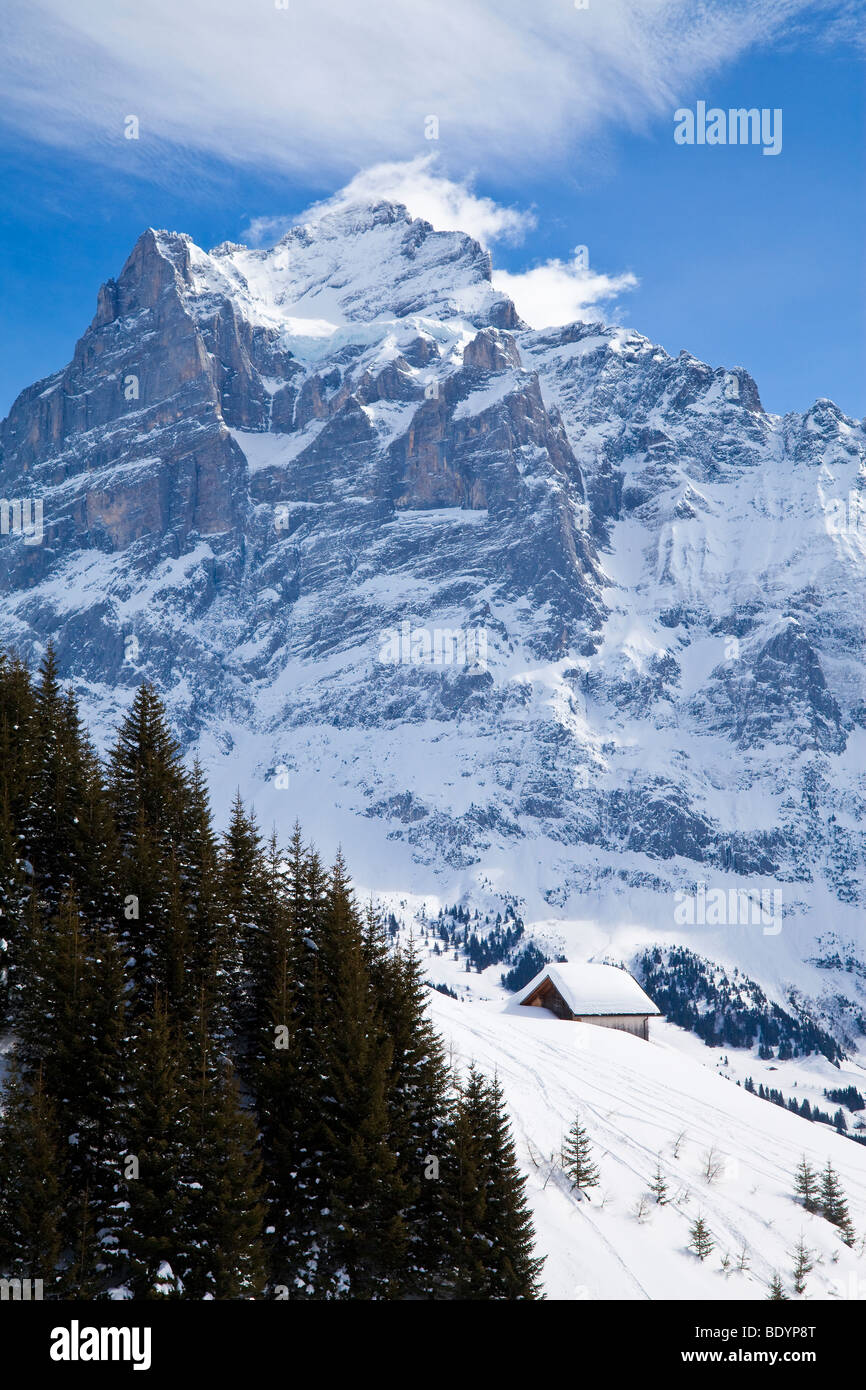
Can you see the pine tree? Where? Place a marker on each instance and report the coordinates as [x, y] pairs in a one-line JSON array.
[[777, 1292], [700, 1240], [228, 1211], [508, 1224], [150, 799], [420, 1112], [150, 1220], [833, 1204], [491, 1250], [223, 1177], [577, 1158], [803, 1264], [207, 943], [659, 1186], [54, 784], [361, 1235], [13, 899], [70, 1028], [280, 1061], [806, 1184], [31, 1199], [465, 1192], [246, 973], [17, 751]]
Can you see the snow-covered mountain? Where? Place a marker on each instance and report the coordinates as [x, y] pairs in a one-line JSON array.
[[280, 483]]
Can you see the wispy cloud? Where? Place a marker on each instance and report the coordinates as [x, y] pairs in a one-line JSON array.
[[324, 87]]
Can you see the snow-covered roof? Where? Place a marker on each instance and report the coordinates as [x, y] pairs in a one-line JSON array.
[[593, 989]]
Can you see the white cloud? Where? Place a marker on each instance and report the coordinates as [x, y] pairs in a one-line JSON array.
[[449, 205], [554, 293], [557, 293], [324, 87]]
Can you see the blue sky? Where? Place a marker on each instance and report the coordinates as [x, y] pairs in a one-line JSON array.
[[742, 258]]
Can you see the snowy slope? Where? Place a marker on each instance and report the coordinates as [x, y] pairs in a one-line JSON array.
[[642, 1102]]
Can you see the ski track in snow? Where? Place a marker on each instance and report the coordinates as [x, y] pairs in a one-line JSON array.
[[636, 1100]]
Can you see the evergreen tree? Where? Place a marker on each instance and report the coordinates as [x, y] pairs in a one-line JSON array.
[[227, 1207], [659, 1186], [150, 1220], [466, 1192], [700, 1239], [55, 778], [419, 1104], [13, 907], [362, 1238], [84, 1275], [281, 1063], [137, 958], [833, 1204], [70, 1030], [492, 1248], [240, 869], [777, 1291], [31, 1199], [577, 1158], [806, 1184], [803, 1264], [151, 802], [225, 1211], [207, 953]]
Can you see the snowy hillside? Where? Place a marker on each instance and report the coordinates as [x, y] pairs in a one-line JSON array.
[[644, 1103]]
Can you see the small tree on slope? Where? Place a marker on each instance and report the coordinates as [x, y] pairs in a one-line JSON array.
[[833, 1204], [777, 1292], [700, 1239], [806, 1184], [803, 1264], [659, 1186], [577, 1157]]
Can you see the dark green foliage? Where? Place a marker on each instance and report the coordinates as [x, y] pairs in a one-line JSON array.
[[833, 1205], [483, 944], [31, 1199], [529, 962], [225, 1083], [726, 1010], [151, 1228], [491, 1252], [847, 1095]]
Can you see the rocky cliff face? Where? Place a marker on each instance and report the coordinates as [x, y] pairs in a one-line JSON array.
[[552, 613]]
